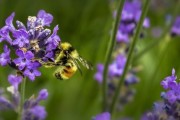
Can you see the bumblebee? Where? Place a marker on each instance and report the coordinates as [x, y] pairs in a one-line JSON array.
[[67, 60]]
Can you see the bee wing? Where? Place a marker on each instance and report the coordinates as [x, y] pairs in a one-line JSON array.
[[85, 63]]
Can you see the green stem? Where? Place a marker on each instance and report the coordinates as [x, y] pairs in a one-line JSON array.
[[22, 94], [109, 52], [135, 38], [166, 31]]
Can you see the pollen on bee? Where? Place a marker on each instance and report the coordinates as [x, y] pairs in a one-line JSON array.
[[24, 49], [35, 45]]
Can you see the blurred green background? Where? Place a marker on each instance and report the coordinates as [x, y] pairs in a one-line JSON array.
[[86, 24]]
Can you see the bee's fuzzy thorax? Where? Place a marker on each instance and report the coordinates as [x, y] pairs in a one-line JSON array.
[[66, 45]]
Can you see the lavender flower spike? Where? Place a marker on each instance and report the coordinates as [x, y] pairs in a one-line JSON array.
[[168, 109], [170, 81], [32, 42]]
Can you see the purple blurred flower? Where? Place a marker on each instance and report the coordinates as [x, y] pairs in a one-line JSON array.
[[131, 79], [173, 95], [122, 37], [32, 109], [39, 112], [172, 87], [117, 67], [131, 10], [170, 81], [43, 94], [99, 74], [103, 116], [176, 27], [130, 16], [5, 56], [15, 80], [5, 104], [146, 23]]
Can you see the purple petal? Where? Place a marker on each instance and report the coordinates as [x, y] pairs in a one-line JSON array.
[[19, 53], [50, 54], [21, 66], [14, 80], [5, 104], [37, 73], [29, 74], [53, 40], [9, 20], [17, 60], [39, 112], [171, 96], [45, 17], [20, 25], [20, 33], [120, 37], [56, 28], [36, 64], [29, 55], [3, 62], [100, 67], [173, 72], [98, 77], [103, 116], [5, 57], [146, 23], [43, 94], [6, 49], [4, 33], [176, 27]]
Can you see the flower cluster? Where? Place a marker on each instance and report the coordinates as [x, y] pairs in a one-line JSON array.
[[130, 16], [31, 108], [169, 108], [32, 44]]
